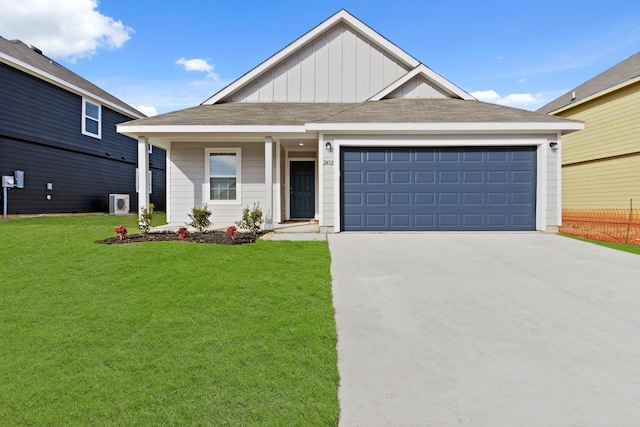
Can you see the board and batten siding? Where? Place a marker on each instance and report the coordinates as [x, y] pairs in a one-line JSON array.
[[187, 181], [338, 66], [417, 87]]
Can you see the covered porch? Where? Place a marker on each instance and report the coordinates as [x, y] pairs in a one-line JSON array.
[[280, 173]]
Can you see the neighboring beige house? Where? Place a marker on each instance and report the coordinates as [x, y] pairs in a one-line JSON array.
[[343, 127], [601, 164]]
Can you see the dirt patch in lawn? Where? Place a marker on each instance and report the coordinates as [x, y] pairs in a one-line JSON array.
[[217, 237]]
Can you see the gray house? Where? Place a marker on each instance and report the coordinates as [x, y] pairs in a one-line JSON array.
[[343, 127], [60, 129]]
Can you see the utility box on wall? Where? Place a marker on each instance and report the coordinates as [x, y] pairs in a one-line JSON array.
[[18, 177], [118, 204], [8, 182]]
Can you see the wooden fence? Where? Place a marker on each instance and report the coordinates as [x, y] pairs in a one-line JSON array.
[[608, 225]]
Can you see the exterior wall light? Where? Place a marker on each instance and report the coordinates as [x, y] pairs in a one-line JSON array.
[[328, 146], [553, 145]]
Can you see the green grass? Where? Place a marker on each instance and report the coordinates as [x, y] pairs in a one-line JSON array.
[[162, 333], [634, 249]]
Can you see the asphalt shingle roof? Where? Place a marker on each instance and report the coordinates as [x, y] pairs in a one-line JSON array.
[[384, 111], [623, 71], [20, 51]]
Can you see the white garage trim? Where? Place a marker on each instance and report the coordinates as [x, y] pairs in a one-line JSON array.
[[439, 141]]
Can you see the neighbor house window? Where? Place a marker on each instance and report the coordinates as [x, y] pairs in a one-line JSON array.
[[91, 119], [223, 172]]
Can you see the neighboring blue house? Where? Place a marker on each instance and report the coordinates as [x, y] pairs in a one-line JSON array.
[[60, 130]]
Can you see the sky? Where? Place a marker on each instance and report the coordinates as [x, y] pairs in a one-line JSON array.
[[162, 56]]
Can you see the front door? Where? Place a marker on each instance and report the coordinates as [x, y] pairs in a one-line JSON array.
[[302, 175]]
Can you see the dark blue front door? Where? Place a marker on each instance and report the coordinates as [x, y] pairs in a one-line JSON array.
[[302, 190], [438, 188]]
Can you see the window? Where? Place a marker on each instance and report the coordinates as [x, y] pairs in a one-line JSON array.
[[91, 119], [223, 171]]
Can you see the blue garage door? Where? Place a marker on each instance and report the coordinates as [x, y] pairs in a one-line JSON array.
[[483, 188]]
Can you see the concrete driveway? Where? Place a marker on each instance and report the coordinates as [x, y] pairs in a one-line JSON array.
[[495, 329]]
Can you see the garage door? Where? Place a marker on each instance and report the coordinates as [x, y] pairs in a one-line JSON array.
[[483, 188]]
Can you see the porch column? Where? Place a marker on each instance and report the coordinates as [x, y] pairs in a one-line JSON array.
[[268, 183], [143, 174]]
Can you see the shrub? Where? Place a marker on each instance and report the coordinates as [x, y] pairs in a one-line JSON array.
[[252, 219], [120, 231], [144, 220], [200, 218], [232, 231]]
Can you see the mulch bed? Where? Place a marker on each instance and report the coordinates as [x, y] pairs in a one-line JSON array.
[[217, 237]]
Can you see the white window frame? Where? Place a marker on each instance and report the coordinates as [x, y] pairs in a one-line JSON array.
[[207, 172], [85, 117]]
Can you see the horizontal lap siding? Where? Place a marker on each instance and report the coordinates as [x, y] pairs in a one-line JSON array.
[[611, 127], [188, 179], [603, 184], [81, 182], [41, 133]]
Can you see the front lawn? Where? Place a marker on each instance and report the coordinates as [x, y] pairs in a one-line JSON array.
[[634, 249], [162, 333]]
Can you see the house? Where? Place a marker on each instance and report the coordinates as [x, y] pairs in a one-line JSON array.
[[601, 165], [60, 130], [343, 127]]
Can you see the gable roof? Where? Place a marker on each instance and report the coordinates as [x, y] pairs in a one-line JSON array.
[[31, 61], [362, 31], [387, 115], [620, 74], [431, 76]]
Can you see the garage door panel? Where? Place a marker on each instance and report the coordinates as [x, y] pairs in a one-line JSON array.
[[472, 188]]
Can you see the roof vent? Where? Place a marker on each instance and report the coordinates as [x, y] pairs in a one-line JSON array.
[[573, 96], [35, 49]]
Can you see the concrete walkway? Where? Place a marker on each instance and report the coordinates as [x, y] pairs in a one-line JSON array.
[[491, 329]]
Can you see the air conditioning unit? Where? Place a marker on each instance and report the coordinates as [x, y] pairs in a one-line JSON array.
[[118, 204]]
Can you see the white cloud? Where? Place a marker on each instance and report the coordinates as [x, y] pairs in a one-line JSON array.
[[62, 28], [147, 110], [197, 64], [160, 95], [518, 100]]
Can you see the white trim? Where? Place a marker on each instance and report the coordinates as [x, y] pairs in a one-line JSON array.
[[86, 117], [337, 168], [159, 130], [541, 164], [445, 127], [149, 181], [342, 16], [268, 182], [42, 75], [277, 185], [429, 75], [541, 186], [167, 188], [321, 180], [143, 176], [559, 179], [316, 208], [207, 175]]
